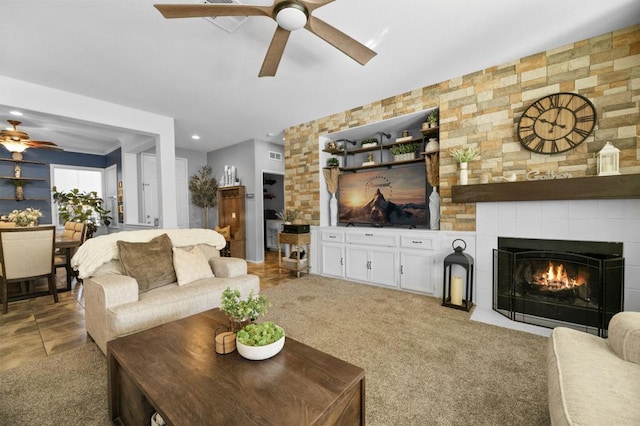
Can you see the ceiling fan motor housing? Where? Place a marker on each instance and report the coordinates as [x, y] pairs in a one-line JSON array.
[[291, 15]]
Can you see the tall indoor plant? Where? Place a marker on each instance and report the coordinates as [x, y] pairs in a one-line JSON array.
[[80, 206], [204, 191]]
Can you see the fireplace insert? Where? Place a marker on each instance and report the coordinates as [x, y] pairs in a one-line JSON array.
[[579, 284]]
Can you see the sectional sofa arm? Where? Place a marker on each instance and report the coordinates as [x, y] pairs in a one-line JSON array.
[[228, 267], [113, 290]]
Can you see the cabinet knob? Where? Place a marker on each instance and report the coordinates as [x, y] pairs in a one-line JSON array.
[[416, 242]]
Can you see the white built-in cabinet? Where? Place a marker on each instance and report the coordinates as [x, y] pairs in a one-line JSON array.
[[392, 258]]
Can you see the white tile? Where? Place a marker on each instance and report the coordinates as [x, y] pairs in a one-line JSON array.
[[556, 228], [631, 277], [631, 253], [528, 227], [555, 209], [611, 209], [531, 209], [631, 300], [507, 227], [487, 209], [506, 210], [486, 225], [583, 209], [483, 293], [583, 229], [632, 209]]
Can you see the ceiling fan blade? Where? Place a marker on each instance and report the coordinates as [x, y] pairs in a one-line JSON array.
[[347, 45], [39, 143], [274, 53], [171, 11]]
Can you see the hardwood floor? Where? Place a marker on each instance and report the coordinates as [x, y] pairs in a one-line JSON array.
[[36, 328]]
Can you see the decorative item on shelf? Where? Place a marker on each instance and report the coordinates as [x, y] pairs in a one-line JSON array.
[[549, 175], [204, 191], [457, 290], [19, 183], [432, 146], [17, 173], [229, 176], [370, 161], [369, 142], [288, 216], [404, 152], [406, 136], [463, 156], [431, 121], [26, 217], [331, 145], [331, 180], [76, 206], [260, 341], [608, 160], [434, 209], [333, 162]]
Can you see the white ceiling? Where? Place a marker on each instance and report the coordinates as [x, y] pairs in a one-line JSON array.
[[125, 52]]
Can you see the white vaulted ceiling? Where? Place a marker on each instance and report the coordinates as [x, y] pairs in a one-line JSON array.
[[125, 52]]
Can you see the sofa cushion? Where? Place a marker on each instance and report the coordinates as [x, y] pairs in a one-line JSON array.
[[190, 265], [151, 263], [624, 335]]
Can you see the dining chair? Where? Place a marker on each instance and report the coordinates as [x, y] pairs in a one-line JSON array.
[[26, 253], [75, 231]]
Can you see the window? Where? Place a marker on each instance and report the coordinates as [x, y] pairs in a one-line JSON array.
[[65, 178]]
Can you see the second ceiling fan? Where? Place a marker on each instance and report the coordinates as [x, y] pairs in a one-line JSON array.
[[290, 15]]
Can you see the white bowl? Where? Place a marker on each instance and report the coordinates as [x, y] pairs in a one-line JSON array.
[[257, 353]]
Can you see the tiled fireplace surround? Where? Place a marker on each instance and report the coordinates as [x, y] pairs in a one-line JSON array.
[[588, 220]]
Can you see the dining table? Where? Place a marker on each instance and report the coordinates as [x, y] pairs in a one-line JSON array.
[[68, 246]]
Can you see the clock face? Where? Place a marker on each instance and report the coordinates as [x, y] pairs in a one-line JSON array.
[[556, 123]]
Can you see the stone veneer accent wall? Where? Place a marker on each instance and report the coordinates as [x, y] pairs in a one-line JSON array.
[[483, 109]]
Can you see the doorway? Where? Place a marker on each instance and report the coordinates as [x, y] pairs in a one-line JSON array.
[[273, 202]]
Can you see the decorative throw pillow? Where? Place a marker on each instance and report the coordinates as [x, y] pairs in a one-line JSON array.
[[190, 265], [151, 263], [225, 232]]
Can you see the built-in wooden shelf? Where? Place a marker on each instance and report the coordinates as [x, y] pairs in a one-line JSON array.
[[584, 188]]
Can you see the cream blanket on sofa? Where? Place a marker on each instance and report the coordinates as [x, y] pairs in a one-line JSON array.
[[97, 251]]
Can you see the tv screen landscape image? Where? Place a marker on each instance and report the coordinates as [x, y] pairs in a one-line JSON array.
[[394, 196]]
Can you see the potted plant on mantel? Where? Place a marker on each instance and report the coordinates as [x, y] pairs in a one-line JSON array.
[[463, 156]]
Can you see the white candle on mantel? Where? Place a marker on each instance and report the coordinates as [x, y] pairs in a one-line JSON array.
[[456, 290]]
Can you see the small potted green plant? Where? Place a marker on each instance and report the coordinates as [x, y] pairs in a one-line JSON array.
[[369, 142], [242, 311], [432, 120], [260, 341], [404, 152], [333, 162], [463, 156]]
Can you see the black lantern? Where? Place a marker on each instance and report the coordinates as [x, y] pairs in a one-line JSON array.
[[458, 290]]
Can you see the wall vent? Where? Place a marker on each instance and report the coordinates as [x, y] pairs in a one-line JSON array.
[[277, 156], [227, 23]]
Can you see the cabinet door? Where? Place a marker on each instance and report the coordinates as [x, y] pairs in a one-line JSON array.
[[357, 265], [383, 267], [415, 271], [333, 260]]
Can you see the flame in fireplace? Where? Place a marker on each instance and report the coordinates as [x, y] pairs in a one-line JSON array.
[[556, 278]]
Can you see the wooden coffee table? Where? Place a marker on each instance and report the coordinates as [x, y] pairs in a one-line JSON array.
[[174, 369]]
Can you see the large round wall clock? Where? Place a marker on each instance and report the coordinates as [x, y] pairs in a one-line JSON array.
[[556, 123]]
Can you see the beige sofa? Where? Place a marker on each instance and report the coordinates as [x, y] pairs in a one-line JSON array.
[[114, 306], [595, 381]]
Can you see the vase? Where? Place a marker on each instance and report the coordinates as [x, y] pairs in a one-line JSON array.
[[333, 210], [464, 174], [434, 209], [235, 324], [19, 193]]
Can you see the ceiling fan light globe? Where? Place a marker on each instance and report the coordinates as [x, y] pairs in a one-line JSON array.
[[14, 146], [291, 18]]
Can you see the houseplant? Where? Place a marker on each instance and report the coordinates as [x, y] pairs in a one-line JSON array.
[[80, 206], [369, 142], [432, 119], [287, 216], [241, 311], [204, 191], [333, 162], [25, 217], [463, 156], [404, 152], [19, 183]]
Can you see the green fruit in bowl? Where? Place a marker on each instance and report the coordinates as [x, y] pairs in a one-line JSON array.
[[261, 334]]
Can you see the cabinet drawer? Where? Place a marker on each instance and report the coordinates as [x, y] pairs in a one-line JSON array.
[[418, 242], [372, 238], [332, 236], [297, 239]]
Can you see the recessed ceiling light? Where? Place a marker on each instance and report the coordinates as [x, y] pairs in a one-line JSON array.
[[18, 113], [195, 137], [271, 134]]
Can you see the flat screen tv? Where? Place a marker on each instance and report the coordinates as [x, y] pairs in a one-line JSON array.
[[396, 196]]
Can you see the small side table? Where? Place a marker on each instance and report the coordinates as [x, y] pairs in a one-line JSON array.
[[296, 242]]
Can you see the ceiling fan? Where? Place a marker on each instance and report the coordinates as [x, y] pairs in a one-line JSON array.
[[291, 15], [16, 141]]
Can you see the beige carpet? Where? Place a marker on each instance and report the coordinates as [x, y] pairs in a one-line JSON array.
[[425, 364]]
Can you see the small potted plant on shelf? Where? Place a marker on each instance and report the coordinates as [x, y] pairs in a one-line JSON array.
[[333, 162], [432, 120], [288, 216], [404, 152], [369, 142]]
